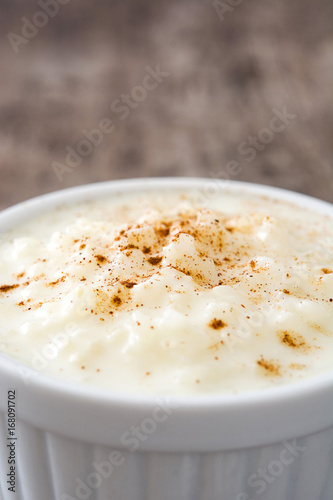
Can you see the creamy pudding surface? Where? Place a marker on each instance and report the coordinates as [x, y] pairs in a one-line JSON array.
[[150, 294]]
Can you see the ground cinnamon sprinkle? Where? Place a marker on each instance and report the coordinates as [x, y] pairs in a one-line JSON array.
[[128, 284], [59, 280], [272, 368], [217, 324], [116, 300], [327, 271], [154, 260], [100, 258], [294, 340], [8, 288], [128, 247], [162, 230]]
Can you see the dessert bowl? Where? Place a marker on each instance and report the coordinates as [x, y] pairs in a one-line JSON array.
[[76, 442]]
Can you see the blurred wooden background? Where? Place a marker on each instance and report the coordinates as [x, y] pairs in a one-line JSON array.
[[227, 72]]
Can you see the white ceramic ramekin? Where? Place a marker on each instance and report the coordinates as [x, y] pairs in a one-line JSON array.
[[82, 443]]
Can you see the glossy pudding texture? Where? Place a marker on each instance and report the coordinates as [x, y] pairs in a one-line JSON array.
[[150, 293]]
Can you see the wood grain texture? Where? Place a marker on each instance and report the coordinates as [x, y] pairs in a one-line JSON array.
[[226, 76]]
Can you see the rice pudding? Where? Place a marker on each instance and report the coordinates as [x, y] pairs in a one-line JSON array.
[[150, 293]]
